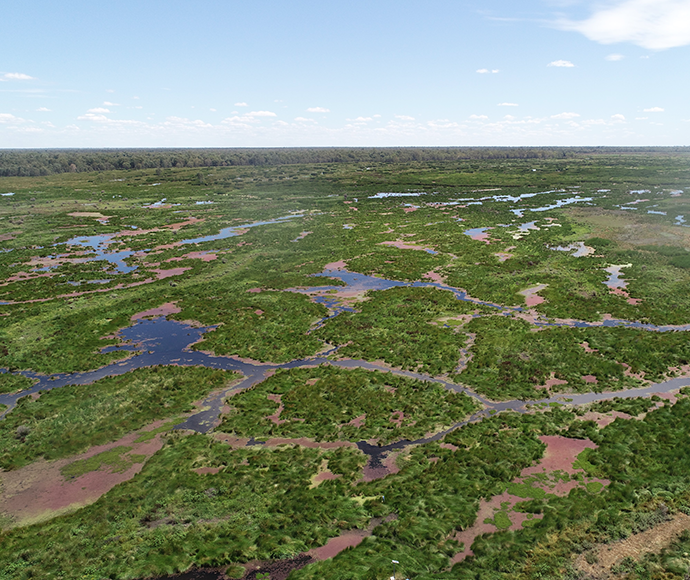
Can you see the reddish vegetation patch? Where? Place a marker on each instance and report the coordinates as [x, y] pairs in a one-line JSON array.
[[388, 467], [487, 510], [311, 382], [254, 290], [203, 256], [339, 265], [258, 312], [590, 379], [205, 470], [551, 382], [604, 419], [163, 310], [302, 236], [163, 274], [39, 491], [531, 295], [626, 295], [435, 277], [410, 209], [276, 416], [560, 454], [334, 546], [587, 348], [404, 246], [397, 418], [325, 476], [482, 236], [357, 421], [7, 237], [448, 446]]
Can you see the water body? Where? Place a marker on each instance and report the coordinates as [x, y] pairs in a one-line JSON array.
[[100, 244], [164, 342], [237, 230]]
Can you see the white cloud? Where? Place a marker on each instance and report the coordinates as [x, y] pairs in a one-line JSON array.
[[614, 57], [507, 104], [618, 117], [18, 77], [304, 120], [109, 90], [109, 104], [484, 71], [6, 118], [653, 110], [43, 110], [98, 110], [137, 98], [212, 110], [318, 110], [93, 117], [261, 114], [376, 116], [241, 105], [404, 117], [478, 117], [561, 63], [363, 119], [653, 24], [641, 118], [565, 116]]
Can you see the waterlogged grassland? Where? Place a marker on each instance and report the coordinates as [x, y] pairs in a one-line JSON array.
[[260, 503], [332, 404], [69, 420], [395, 326], [169, 517], [12, 383]]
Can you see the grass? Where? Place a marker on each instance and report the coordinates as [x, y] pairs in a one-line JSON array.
[[117, 459], [71, 419], [10, 383], [322, 403]]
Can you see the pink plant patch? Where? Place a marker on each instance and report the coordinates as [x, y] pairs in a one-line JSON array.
[[339, 265], [397, 418], [531, 295], [205, 470], [163, 310], [276, 416]]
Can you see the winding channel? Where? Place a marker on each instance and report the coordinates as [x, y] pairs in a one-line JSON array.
[[160, 341]]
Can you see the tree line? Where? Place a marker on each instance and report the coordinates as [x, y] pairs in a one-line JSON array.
[[37, 162]]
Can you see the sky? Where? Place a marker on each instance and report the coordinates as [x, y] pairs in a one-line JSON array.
[[270, 73]]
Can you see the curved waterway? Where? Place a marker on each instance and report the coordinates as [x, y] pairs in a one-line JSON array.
[[160, 341]]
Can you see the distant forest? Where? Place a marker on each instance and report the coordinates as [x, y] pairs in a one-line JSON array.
[[36, 162]]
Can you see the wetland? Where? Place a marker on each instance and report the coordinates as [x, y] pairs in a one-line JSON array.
[[292, 371]]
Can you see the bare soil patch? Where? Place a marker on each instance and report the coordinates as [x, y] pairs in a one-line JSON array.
[[650, 541]]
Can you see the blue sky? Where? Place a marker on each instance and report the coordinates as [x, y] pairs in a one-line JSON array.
[[378, 73]]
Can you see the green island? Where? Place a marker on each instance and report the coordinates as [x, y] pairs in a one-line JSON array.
[[310, 363]]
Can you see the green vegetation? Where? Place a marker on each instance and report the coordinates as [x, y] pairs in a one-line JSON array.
[[12, 383], [632, 407], [66, 421], [394, 326], [168, 517], [117, 459], [60, 305], [324, 403]]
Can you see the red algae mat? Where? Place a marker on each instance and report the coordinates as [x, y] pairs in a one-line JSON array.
[[549, 475], [39, 491]]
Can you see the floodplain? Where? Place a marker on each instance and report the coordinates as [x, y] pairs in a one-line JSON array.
[[477, 368]]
